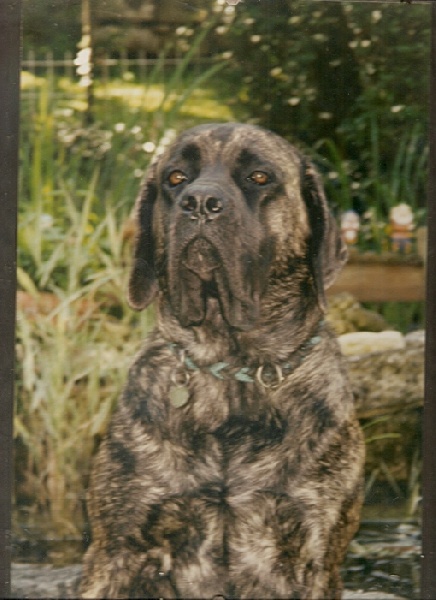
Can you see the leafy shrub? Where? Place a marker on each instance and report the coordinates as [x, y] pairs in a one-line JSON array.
[[345, 73]]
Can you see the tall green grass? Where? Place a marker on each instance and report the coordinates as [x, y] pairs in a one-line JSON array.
[[73, 360]]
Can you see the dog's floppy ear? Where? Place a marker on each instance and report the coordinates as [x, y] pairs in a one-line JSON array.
[[143, 280], [327, 251]]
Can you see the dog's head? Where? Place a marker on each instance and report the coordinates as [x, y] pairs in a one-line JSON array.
[[226, 210]]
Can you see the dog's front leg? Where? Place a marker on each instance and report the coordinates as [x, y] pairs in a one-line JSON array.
[[128, 575]]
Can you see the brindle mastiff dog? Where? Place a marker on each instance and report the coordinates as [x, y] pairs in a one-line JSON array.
[[233, 463]]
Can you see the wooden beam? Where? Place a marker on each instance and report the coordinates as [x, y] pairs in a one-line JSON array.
[[428, 576], [9, 113], [381, 282]]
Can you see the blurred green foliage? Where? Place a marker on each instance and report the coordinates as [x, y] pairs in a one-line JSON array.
[[353, 74], [51, 25]]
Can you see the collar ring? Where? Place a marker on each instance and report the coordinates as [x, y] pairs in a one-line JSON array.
[[273, 378]]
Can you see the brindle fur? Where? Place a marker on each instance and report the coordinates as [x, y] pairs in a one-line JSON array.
[[245, 491]]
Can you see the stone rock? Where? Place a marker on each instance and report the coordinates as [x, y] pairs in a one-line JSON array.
[[416, 338], [366, 342], [360, 595], [45, 581], [388, 388], [387, 381]]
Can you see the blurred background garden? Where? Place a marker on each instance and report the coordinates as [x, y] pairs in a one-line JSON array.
[[105, 87]]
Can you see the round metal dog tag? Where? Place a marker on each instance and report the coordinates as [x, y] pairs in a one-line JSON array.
[[179, 396]]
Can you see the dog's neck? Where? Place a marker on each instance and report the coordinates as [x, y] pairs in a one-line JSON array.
[[269, 374], [273, 338]]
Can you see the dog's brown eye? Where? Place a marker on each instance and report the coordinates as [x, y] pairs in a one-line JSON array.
[[259, 177], [176, 178]]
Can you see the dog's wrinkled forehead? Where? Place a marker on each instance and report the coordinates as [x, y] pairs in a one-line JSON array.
[[230, 143]]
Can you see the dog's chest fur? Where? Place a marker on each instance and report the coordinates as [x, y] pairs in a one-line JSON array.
[[234, 460], [227, 432]]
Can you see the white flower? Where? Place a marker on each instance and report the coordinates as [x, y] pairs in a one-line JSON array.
[[320, 37], [83, 57], [149, 147], [128, 76], [45, 221], [85, 81], [64, 112], [169, 136]]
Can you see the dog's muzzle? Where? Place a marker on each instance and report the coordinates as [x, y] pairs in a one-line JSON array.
[[201, 258]]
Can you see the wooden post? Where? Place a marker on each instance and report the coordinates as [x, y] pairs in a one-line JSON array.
[[9, 115], [428, 580], [68, 65], [50, 72], [32, 93], [142, 78]]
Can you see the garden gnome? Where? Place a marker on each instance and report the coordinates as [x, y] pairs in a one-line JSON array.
[[350, 225], [401, 228]]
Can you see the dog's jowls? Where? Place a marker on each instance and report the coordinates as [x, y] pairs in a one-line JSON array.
[[233, 464]]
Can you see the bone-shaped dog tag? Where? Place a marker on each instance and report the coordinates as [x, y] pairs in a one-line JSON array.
[[179, 396]]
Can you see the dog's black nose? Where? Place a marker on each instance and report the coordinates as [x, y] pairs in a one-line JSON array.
[[199, 205]]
